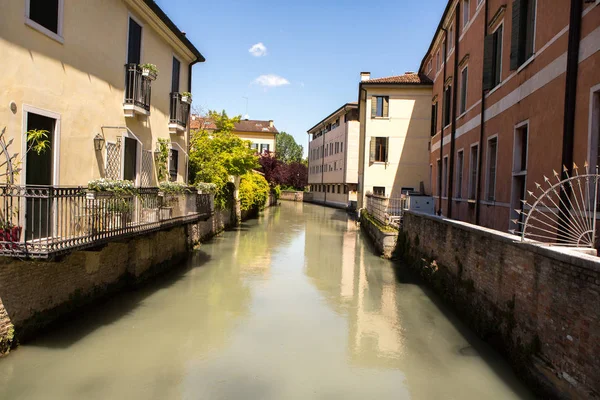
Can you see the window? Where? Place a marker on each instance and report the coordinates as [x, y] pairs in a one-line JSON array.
[[466, 12], [379, 149], [134, 46], [450, 40], [254, 146], [379, 190], [473, 171], [173, 165], [335, 165], [445, 177], [345, 189], [337, 147], [437, 61], [429, 66], [380, 106], [492, 59], [434, 114], [342, 147], [46, 16], [264, 147], [339, 189], [447, 105], [491, 168], [130, 160], [523, 32], [175, 76], [460, 163], [520, 151], [519, 178], [463, 89], [439, 177]]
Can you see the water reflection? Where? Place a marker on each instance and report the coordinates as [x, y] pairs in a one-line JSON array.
[[292, 306]]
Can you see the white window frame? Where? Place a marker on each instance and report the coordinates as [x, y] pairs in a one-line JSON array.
[[58, 36], [498, 25], [458, 194], [471, 166], [533, 53], [515, 129], [466, 13], [488, 167], [27, 109]]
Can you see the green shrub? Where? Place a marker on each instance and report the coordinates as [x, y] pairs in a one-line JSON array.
[[254, 191], [277, 191]]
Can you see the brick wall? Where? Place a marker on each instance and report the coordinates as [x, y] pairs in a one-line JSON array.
[[538, 305], [6, 328]]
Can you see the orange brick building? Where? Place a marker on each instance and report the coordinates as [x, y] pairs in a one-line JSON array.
[[516, 95]]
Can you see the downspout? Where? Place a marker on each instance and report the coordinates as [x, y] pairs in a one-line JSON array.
[[450, 182], [570, 103], [439, 181], [482, 125], [187, 157]]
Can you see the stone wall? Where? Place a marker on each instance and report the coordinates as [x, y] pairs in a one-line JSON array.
[[291, 195], [383, 238], [538, 305]]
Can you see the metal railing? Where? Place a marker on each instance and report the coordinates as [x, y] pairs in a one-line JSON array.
[[180, 110], [43, 221], [138, 88], [387, 211]]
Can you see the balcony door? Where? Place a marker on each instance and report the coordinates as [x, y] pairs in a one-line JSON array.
[[175, 76], [40, 172], [134, 47], [130, 161]]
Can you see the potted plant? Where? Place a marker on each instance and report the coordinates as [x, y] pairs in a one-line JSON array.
[[171, 193], [110, 188], [149, 71], [120, 212], [9, 232], [186, 97]]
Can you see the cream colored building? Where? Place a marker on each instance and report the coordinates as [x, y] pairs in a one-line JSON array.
[[333, 157], [261, 134], [395, 120], [72, 68]]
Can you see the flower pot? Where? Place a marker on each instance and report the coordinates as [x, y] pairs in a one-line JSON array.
[[165, 213], [149, 74], [12, 235], [93, 195], [186, 99]]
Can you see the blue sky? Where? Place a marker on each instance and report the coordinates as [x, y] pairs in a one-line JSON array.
[[315, 51]]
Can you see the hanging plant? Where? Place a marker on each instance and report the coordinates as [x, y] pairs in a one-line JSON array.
[[149, 71], [186, 97]]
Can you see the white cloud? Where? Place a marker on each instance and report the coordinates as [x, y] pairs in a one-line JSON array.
[[258, 50], [271, 80]]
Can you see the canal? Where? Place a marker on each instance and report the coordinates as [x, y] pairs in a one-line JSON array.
[[292, 306]]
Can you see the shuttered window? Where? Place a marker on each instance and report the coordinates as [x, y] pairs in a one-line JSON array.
[[466, 12], [492, 63], [447, 105], [491, 175], [380, 106], [474, 159], [523, 32], [439, 177], [460, 163], [379, 149], [463, 89], [434, 114], [445, 177]]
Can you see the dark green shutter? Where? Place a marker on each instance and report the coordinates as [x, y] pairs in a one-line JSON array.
[[432, 119], [488, 62], [373, 107], [372, 150], [515, 40], [386, 107]]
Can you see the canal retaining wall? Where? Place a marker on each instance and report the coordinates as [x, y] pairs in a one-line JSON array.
[[36, 293], [383, 238], [538, 305], [290, 195]]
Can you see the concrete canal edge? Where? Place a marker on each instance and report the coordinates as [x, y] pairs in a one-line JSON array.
[[537, 305], [383, 238], [37, 293]]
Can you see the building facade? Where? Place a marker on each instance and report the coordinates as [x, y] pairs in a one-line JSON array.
[[261, 134], [333, 157], [69, 72], [516, 96], [395, 114]]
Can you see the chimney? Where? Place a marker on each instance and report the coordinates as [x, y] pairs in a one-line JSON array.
[[270, 123], [365, 76]]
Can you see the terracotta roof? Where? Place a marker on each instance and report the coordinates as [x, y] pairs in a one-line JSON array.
[[202, 123], [251, 125], [410, 78]]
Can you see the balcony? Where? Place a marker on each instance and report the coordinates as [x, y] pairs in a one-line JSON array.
[[180, 112], [46, 221], [137, 92]]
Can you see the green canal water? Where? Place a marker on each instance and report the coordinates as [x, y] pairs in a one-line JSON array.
[[294, 305]]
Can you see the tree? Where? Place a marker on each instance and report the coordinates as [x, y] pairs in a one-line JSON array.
[[292, 175], [286, 148], [215, 157]]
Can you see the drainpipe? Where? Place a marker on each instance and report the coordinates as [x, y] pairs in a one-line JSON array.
[[482, 126], [570, 102], [187, 158], [454, 106], [439, 182]]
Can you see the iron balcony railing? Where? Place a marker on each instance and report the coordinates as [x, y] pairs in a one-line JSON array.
[[180, 110], [387, 211], [138, 88], [44, 221]]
